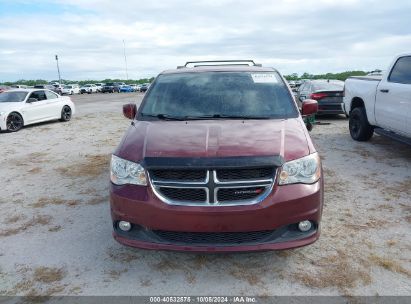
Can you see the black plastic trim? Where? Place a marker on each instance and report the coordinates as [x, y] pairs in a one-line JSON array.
[[282, 234], [394, 136], [212, 162]]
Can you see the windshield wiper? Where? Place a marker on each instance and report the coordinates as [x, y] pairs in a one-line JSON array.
[[164, 116], [225, 116], [203, 117]]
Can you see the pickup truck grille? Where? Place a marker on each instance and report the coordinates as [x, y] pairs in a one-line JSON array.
[[218, 187]]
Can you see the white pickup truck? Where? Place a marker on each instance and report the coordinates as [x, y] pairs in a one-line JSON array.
[[381, 103]]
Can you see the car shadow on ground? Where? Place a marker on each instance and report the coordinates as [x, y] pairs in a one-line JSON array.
[[330, 117], [45, 125]]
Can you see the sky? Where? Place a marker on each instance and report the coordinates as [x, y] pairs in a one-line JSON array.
[[294, 36]]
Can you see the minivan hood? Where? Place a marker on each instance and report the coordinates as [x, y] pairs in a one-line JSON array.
[[215, 138]]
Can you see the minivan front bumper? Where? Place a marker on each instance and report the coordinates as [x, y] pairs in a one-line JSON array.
[[268, 225]]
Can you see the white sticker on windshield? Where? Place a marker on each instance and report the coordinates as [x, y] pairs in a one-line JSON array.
[[264, 78]]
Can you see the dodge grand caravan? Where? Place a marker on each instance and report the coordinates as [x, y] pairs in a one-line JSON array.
[[217, 159]]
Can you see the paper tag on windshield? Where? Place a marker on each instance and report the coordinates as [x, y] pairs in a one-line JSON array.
[[264, 78]]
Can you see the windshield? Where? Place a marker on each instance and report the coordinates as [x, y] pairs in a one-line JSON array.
[[219, 94], [68, 87], [337, 86], [12, 96], [87, 85]]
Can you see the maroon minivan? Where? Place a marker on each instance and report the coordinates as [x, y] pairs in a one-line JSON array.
[[217, 159]]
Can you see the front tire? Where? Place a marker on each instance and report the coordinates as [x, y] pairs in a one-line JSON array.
[[360, 129], [14, 122], [65, 113]]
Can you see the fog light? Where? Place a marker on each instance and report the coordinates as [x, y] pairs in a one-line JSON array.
[[125, 226], [304, 226]]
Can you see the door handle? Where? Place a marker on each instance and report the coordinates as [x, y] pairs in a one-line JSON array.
[[384, 90]]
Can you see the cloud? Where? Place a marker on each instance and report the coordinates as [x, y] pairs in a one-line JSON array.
[[293, 36]]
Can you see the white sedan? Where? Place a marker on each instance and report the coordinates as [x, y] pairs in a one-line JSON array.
[[22, 107]]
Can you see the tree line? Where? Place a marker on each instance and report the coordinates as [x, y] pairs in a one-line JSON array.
[[339, 76], [80, 82]]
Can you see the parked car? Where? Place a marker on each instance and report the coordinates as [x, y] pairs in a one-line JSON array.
[[71, 89], [18, 86], [138, 88], [126, 88], [144, 87], [22, 107], [4, 88], [134, 87], [50, 87], [376, 73], [217, 159], [88, 88], [381, 104], [110, 87], [328, 93], [99, 86]]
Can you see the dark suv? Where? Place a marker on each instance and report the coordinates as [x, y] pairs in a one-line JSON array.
[[110, 87], [217, 159]]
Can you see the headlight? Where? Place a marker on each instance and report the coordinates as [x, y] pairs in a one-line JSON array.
[[126, 172], [304, 170]]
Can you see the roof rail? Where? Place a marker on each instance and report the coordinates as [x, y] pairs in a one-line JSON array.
[[219, 63]]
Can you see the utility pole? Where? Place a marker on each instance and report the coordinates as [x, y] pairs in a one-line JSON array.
[[125, 58], [58, 69]]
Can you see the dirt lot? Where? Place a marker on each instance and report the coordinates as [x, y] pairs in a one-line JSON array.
[[55, 228]]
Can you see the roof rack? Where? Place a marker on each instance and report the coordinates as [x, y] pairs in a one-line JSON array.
[[219, 63]]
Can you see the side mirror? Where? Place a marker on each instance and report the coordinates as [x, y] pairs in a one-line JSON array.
[[309, 107], [129, 110], [31, 99]]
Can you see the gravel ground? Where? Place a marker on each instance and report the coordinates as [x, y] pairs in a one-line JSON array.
[[55, 228]]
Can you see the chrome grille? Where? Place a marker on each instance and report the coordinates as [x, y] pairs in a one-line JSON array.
[[179, 175], [184, 194], [221, 187], [244, 174], [233, 194]]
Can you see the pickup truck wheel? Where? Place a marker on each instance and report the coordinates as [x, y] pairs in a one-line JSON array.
[[360, 129]]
